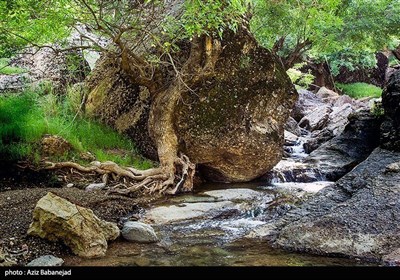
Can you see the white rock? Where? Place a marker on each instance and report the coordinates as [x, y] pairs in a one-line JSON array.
[[47, 260], [186, 211], [139, 232], [94, 187]]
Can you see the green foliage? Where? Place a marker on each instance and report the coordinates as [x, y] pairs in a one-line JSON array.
[[377, 109], [5, 69], [393, 61], [326, 28], [300, 79], [360, 90], [212, 16], [26, 117], [351, 60], [26, 21]]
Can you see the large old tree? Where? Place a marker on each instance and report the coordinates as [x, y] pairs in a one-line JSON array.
[[214, 97]]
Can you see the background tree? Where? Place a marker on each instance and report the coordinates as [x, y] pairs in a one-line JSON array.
[[343, 32]]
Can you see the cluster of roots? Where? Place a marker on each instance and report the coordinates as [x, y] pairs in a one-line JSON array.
[[174, 177]]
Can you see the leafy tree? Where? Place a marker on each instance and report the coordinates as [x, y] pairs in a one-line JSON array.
[[142, 36], [322, 29]]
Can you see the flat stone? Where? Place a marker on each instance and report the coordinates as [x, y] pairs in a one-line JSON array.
[[139, 232], [186, 211], [234, 194], [47, 260]]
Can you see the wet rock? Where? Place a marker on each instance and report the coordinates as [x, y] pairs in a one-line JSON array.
[[57, 219], [390, 129], [306, 103], [341, 154], [290, 139], [288, 170], [234, 194], [53, 145], [318, 137], [317, 119], [47, 260], [186, 211], [139, 232], [359, 216], [293, 127]]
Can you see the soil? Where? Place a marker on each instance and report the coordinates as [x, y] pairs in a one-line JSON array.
[[19, 195]]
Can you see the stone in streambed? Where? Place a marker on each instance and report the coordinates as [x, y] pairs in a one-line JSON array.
[[234, 194], [57, 219], [187, 211], [47, 260], [139, 232]]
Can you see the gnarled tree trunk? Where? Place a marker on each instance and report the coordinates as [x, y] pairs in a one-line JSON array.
[[222, 107]]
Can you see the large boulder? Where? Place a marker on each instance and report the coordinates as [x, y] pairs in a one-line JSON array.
[[231, 125], [57, 219], [359, 216], [390, 129]]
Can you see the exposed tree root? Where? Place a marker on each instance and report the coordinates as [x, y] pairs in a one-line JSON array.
[[170, 178]]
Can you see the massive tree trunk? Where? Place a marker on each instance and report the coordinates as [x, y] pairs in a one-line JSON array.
[[223, 108]]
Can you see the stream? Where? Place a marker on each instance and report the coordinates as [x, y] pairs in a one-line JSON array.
[[218, 225]]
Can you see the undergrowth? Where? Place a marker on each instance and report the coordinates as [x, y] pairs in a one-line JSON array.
[[26, 117]]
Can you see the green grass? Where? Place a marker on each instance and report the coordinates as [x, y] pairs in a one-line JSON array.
[[360, 90], [5, 69], [27, 116]]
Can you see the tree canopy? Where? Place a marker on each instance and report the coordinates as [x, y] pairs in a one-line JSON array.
[[344, 31], [355, 29]]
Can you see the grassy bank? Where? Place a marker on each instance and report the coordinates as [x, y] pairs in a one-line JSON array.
[[360, 90], [27, 116]]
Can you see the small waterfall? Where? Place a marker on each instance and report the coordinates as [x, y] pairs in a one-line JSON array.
[[292, 169]]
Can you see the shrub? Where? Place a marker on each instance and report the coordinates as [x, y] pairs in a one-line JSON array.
[[300, 79]]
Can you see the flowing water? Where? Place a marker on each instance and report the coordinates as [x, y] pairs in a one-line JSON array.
[[213, 227]]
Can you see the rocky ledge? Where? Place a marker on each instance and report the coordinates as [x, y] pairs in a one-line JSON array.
[[357, 217]]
